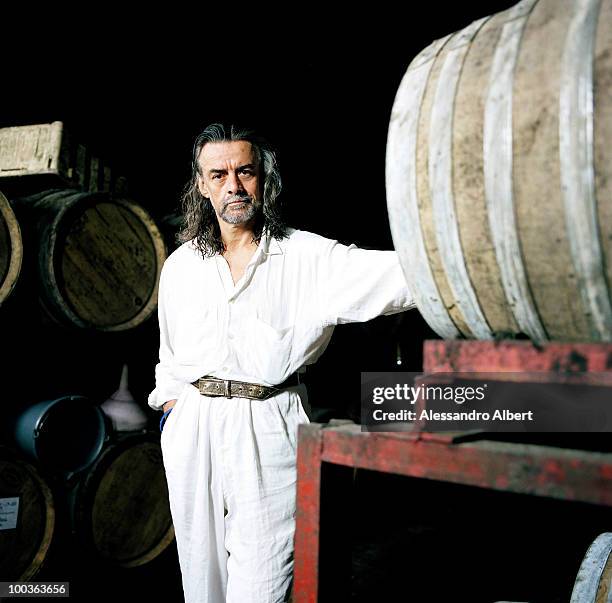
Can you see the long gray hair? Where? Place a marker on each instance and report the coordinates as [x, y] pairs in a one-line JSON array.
[[199, 218]]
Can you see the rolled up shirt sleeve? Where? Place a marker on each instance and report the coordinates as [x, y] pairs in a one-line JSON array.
[[357, 284], [167, 387]]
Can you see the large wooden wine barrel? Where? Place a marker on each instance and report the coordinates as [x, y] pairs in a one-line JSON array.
[[99, 258], [499, 175], [11, 249], [121, 510], [27, 518]]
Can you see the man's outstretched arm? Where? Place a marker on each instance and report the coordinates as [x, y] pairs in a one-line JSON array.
[[356, 285]]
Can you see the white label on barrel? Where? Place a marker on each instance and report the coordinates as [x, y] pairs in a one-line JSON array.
[[9, 508]]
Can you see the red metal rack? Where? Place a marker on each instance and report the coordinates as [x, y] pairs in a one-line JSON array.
[[327, 455]]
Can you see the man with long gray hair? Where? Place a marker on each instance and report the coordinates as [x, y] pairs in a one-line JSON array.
[[245, 303]]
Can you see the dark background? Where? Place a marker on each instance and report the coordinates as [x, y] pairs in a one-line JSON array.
[[137, 89]]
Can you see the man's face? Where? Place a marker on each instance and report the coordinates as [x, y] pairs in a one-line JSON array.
[[230, 179]]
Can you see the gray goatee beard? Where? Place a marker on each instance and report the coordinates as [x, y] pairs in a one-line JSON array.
[[239, 216]]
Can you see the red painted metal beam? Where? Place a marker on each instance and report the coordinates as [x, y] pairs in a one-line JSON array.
[[442, 356], [576, 475], [308, 519]]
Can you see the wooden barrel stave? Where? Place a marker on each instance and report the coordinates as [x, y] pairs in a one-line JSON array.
[[602, 133], [442, 194], [541, 221], [6, 250], [424, 193], [468, 176], [11, 249], [402, 197]]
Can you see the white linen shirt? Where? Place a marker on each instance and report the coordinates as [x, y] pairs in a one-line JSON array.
[[278, 318]]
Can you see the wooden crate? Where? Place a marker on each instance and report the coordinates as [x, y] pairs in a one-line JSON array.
[[48, 150]]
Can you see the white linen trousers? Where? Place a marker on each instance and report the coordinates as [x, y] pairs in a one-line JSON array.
[[231, 471], [231, 463]]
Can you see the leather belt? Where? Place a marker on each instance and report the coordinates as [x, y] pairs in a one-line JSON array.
[[213, 386]]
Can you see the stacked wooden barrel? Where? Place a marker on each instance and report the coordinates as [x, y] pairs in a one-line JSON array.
[[11, 249], [98, 258], [120, 509], [27, 517], [499, 175]]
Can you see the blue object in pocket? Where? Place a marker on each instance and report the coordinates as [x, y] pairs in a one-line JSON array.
[[163, 419]]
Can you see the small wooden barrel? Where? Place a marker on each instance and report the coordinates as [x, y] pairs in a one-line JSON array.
[[11, 249], [594, 580], [27, 518], [120, 509], [499, 175], [99, 258]]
